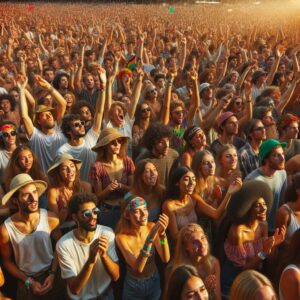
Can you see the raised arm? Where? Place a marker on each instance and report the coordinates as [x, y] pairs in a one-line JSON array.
[[195, 103], [136, 94], [100, 101], [22, 82], [78, 76]]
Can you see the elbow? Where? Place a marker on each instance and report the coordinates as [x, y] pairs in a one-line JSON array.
[[74, 290], [116, 276]]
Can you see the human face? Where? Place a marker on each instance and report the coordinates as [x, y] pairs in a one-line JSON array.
[[25, 160], [178, 115], [198, 141], [114, 146], [292, 130], [194, 289], [276, 159], [5, 105], [63, 83], [117, 116], [86, 113], [146, 111], [150, 174], [208, 166], [268, 119], [139, 216], [197, 244], [87, 223], [161, 148], [28, 199], [16, 96], [231, 126], [49, 76], [258, 132], [259, 210], [238, 105], [46, 120], [229, 159], [207, 93], [67, 171], [89, 82], [187, 183], [77, 128], [9, 136], [152, 92], [69, 100], [265, 293]]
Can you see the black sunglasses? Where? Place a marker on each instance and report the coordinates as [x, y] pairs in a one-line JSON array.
[[146, 109], [78, 124], [7, 134], [88, 213]]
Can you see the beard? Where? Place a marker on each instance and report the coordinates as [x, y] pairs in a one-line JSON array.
[[88, 227]]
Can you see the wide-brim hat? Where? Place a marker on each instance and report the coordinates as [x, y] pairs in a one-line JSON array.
[[21, 180], [242, 201], [43, 108], [107, 135], [59, 159]]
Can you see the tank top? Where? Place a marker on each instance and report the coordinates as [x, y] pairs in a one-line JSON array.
[[294, 225], [289, 267], [33, 252]]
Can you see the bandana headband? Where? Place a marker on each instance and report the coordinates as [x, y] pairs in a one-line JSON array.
[[193, 132], [7, 126], [135, 203]]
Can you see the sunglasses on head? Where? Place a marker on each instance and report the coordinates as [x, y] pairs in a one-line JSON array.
[[78, 124], [117, 141], [89, 213], [146, 109], [7, 134]]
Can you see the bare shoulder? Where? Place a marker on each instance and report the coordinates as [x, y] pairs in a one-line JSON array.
[[235, 234], [4, 236], [53, 220]]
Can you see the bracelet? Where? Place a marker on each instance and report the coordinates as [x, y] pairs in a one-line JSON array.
[[148, 240], [144, 253], [163, 235], [147, 248], [28, 282], [163, 242]]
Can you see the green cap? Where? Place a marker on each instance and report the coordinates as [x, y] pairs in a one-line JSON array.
[[267, 146]]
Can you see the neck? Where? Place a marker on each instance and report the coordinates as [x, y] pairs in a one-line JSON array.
[[84, 235], [68, 184], [226, 138], [206, 101], [267, 171], [11, 148], [138, 230], [175, 126], [144, 123], [255, 144], [76, 141], [253, 224], [111, 157], [47, 131], [26, 217], [183, 198]]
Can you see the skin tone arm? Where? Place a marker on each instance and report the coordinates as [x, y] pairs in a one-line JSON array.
[[274, 67], [100, 102], [52, 205], [283, 217], [97, 248], [136, 94], [22, 82], [59, 99], [195, 103], [247, 115], [78, 76], [172, 228], [290, 284], [215, 213], [182, 54]]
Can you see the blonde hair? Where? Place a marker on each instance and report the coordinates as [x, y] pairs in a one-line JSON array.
[[182, 257], [247, 284]]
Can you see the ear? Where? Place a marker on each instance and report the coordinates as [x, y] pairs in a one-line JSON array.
[[75, 218]]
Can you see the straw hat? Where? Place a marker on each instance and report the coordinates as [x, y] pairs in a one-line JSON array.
[[59, 159], [21, 180], [43, 108], [106, 136], [242, 201]]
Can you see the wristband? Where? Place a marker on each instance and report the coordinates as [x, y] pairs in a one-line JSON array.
[[163, 242], [28, 282], [262, 255], [147, 248], [144, 253], [148, 240]]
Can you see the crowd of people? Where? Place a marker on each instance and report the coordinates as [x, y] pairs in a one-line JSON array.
[[149, 152]]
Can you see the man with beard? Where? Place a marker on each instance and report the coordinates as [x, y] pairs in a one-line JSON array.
[[25, 239], [61, 83], [45, 136], [80, 142], [87, 255], [272, 172]]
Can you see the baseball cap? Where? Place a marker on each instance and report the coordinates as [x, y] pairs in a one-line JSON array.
[[267, 146]]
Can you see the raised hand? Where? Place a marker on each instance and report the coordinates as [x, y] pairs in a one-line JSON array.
[[162, 222]]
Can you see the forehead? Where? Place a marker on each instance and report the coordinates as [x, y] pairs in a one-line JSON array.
[[277, 150], [28, 188], [87, 205]]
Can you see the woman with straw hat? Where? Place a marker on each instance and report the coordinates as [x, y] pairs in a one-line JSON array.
[[65, 179], [111, 174]]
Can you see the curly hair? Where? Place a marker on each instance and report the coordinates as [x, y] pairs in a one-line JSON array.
[[66, 123], [11, 100], [79, 104], [79, 199], [154, 133]]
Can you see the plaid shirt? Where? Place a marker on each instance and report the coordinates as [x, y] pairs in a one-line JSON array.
[[248, 160]]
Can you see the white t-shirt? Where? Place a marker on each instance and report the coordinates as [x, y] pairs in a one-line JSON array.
[[91, 138], [45, 146], [72, 256]]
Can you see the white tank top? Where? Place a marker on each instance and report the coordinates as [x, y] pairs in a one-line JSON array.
[[33, 252]]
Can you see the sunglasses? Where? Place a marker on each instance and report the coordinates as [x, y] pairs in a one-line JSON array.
[[117, 141], [259, 128], [89, 213], [7, 134], [78, 124], [146, 109], [238, 103], [179, 112], [152, 91]]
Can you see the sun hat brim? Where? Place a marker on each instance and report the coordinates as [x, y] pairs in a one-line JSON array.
[[107, 139], [64, 158]]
